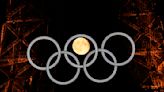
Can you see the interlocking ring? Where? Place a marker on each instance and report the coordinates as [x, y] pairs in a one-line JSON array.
[[118, 34], [100, 80], [38, 39], [88, 37], [85, 64], [56, 81]]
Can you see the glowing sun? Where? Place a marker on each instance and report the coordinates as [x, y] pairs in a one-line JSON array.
[[81, 46]]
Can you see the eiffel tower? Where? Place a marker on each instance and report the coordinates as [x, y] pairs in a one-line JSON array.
[[22, 24], [147, 26]]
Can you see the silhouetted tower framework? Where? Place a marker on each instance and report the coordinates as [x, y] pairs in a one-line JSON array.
[[21, 26], [148, 28]]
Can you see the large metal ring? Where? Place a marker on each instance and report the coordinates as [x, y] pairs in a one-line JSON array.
[[100, 80], [38, 39], [95, 46], [59, 82], [118, 34]]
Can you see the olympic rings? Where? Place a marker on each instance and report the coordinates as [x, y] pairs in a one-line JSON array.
[[85, 64]]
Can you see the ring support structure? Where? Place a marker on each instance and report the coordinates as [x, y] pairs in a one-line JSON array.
[[86, 63]]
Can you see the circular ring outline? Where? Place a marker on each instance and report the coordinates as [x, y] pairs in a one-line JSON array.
[[95, 46], [59, 82], [38, 39], [100, 80], [118, 34]]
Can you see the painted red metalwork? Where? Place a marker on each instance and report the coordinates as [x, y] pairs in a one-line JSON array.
[[149, 32], [13, 44]]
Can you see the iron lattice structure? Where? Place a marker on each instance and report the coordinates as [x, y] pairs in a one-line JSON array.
[[21, 25], [148, 28]]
